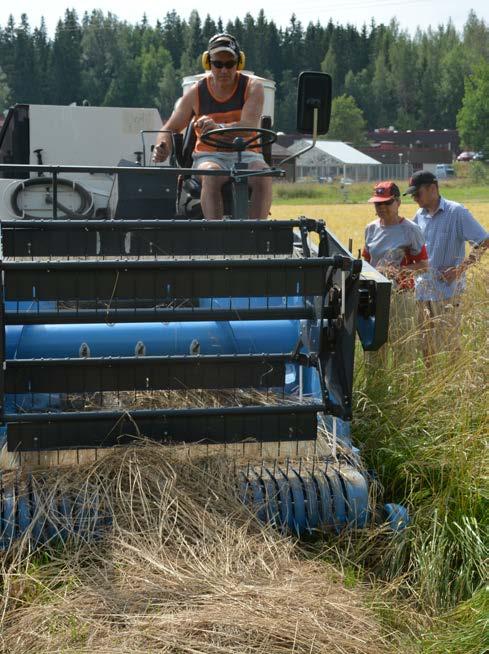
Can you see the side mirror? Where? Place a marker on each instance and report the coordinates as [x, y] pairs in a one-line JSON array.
[[314, 92], [313, 108]]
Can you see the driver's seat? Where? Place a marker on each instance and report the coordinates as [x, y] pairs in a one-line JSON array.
[[189, 187]]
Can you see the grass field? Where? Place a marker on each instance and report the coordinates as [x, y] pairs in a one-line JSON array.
[[460, 189]]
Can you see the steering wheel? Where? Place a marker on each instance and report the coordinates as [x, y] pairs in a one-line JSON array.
[[238, 144]]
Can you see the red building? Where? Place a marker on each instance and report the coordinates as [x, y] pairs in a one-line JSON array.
[[420, 148]]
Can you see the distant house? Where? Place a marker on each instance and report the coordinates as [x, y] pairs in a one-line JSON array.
[[418, 139], [420, 148], [389, 153]]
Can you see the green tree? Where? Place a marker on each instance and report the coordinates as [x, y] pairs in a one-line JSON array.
[[125, 70], [248, 42], [4, 92], [395, 78], [473, 117], [285, 108], [7, 47], [347, 121], [383, 90], [359, 86], [195, 46], [173, 35], [454, 69], [329, 65], [209, 28], [67, 60], [152, 63], [169, 89], [293, 46], [262, 53], [25, 81], [100, 56], [402, 58], [476, 39], [43, 54]]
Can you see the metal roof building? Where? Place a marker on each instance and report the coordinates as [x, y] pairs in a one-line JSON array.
[[332, 159]]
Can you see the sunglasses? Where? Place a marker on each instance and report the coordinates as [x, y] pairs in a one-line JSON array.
[[224, 64]]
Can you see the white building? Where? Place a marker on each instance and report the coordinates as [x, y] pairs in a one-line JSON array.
[[334, 159]]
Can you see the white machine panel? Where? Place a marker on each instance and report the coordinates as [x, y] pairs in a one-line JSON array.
[[79, 136], [83, 136]]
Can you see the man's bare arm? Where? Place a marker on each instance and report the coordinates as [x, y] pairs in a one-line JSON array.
[[179, 119], [253, 107], [473, 258]]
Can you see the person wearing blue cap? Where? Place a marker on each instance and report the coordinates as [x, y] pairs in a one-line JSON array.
[[446, 227]]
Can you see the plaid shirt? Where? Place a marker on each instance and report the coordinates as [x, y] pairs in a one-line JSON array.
[[445, 234]]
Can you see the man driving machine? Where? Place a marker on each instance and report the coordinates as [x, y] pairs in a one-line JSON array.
[[224, 98]]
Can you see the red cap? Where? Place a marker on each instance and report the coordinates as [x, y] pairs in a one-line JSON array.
[[385, 191]]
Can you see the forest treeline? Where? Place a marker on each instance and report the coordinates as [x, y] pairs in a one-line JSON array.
[[409, 81]]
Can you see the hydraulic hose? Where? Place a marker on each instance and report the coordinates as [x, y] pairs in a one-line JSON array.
[[86, 207]]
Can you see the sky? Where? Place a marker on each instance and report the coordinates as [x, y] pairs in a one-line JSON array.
[[409, 13]]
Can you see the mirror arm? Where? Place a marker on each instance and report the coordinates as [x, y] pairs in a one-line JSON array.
[[314, 139]]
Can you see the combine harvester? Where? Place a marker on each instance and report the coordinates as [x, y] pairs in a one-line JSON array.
[[109, 294]]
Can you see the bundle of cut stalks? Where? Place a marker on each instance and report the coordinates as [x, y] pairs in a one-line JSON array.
[[185, 568]]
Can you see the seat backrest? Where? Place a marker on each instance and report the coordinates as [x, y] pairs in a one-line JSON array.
[[189, 139], [266, 123]]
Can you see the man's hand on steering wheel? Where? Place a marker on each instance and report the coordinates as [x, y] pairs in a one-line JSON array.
[[207, 124]]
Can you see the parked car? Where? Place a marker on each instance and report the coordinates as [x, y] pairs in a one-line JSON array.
[[479, 156], [444, 170], [466, 156]]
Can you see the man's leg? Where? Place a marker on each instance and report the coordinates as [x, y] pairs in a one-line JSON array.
[[439, 322], [261, 193], [426, 318], [211, 196], [402, 326], [451, 319]]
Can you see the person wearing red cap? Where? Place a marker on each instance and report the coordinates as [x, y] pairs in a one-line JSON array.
[[395, 247]]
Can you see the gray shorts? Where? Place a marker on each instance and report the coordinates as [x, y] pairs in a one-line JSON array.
[[227, 159]]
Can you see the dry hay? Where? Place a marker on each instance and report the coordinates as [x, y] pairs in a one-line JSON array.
[[185, 569]]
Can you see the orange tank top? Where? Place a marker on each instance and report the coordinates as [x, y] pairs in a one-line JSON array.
[[221, 111]]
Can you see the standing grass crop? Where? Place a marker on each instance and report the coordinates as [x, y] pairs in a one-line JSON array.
[[426, 431], [426, 434]]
